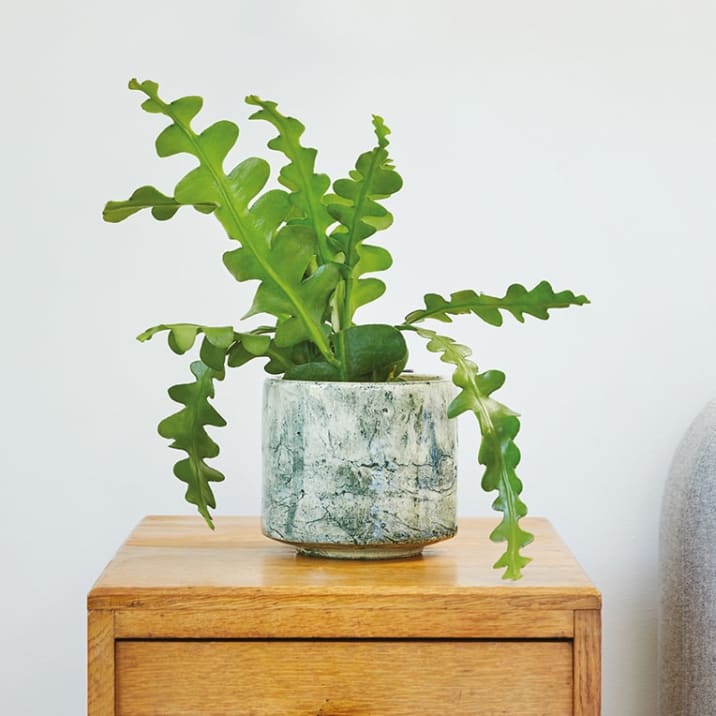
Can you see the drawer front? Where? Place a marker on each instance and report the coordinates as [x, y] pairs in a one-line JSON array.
[[342, 678]]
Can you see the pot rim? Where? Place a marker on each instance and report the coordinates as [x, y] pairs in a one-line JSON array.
[[409, 379]]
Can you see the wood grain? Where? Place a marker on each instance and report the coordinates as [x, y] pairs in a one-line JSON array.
[[178, 562], [100, 663], [262, 618], [341, 678], [587, 663]]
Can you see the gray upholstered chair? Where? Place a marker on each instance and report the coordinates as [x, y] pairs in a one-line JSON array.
[[687, 610]]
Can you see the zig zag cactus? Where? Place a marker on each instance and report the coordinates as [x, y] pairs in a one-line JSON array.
[[306, 248]]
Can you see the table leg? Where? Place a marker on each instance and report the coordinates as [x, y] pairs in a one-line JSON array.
[[100, 663], [587, 662]]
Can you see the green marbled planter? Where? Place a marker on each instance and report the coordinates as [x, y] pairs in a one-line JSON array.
[[359, 470]]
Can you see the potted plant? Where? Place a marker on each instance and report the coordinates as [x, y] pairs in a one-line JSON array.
[[309, 251]]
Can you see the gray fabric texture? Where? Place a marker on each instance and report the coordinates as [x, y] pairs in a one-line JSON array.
[[687, 563]]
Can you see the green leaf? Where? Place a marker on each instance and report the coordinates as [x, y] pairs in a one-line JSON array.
[[290, 254], [372, 352], [498, 453], [220, 336], [381, 130], [213, 356], [147, 197], [223, 345], [252, 221], [299, 175], [355, 206], [187, 431], [256, 344], [518, 301], [181, 336], [316, 370]]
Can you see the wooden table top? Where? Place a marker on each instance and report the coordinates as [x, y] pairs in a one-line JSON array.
[[178, 560]]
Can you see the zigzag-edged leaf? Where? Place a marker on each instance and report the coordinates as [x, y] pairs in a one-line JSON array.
[[518, 301], [187, 431], [146, 197], [290, 252], [223, 345], [355, 206], [498, 453], [251, 221], [256, 344], [307, 187], [181, 336]]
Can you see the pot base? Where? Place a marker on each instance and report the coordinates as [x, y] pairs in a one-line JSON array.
[[387, 550]]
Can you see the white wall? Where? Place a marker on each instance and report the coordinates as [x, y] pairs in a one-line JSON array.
[[564, 140]]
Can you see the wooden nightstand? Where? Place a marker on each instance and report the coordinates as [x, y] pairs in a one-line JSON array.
[[186, 621]]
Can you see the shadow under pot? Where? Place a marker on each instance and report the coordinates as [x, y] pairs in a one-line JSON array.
[[359, 470]]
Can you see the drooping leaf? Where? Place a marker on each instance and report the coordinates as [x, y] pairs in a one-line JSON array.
[[498, 453], [355, 206], [257, 344], [213, 356], [187, 431], [299, 175], [181, 336], [518, 301], [223, 344]]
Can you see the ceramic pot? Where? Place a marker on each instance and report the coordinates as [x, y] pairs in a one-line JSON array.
[[359, 470], [687, 571]]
